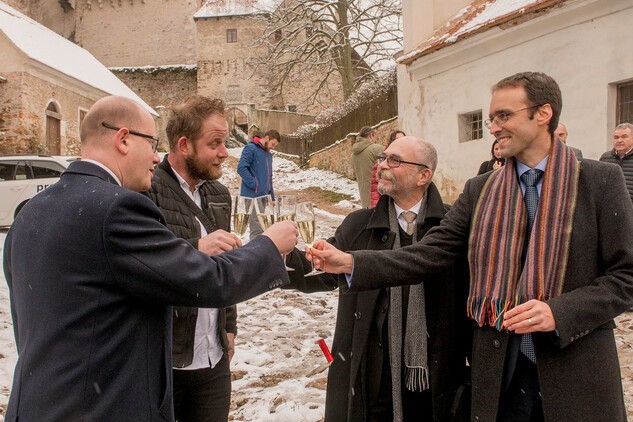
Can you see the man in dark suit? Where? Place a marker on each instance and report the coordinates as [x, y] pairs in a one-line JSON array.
[[385, 337], [550, 247], [197, 208], [92, 270]]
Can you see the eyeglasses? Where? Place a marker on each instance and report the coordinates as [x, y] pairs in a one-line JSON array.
[[501, 118], [154, 138], [394, 162]]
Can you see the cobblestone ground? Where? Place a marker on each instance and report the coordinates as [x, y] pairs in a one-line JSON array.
[[624, 339]]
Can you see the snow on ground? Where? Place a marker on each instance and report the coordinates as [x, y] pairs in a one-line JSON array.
[[276, 345]]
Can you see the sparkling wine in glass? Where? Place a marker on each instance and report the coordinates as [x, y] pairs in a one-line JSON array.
[[265, 211], [306, 220], [241, 212], [286, 210]]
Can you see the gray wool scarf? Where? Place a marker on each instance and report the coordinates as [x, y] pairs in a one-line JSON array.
[[415, 337]]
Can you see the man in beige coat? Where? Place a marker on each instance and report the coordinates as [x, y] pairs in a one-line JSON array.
[[364, 155]]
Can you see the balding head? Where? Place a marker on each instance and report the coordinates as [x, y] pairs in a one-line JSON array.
[[124, 147], [113, 110], [561, 132], [407, 182]]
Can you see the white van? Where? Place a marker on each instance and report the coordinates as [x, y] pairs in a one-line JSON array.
[[22, 177]]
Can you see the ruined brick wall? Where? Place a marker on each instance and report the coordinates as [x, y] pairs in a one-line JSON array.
[[23, 101], [138, 32]]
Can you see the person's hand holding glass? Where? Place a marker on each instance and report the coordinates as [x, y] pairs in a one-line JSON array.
[[306, 220]]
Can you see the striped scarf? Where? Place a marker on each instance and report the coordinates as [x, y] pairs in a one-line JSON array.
[[499, 280]]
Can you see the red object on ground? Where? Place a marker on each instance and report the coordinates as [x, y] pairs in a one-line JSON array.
[[325, 350]]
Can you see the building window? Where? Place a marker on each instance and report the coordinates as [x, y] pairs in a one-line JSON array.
[[624, 104], [292, 108], [278, 35], [231, 35], [471, 126]]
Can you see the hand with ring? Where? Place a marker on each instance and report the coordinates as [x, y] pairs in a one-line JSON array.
[[529, 317]]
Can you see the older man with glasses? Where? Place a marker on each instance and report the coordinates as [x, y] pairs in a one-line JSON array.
[[419, 325]]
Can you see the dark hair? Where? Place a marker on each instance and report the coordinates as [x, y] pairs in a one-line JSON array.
[[187, 118], [273, 134], [392, 136], [492, 149], [365, 132], [540, 89]]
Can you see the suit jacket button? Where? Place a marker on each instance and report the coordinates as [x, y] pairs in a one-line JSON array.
[[384, 238], [496, 343], [357, 315]]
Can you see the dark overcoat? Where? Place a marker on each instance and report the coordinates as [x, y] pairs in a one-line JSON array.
[[448, 327], [92, 270], [578, 368]]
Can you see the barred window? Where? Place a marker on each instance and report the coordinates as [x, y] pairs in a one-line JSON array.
[[471, 126], [231, 35], [624, 103]]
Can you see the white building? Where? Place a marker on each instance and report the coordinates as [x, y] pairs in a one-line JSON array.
[[455, 50]]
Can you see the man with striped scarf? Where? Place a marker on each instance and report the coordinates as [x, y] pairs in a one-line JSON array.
[[549, 241]]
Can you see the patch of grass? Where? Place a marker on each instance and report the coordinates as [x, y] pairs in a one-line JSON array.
[[328, 195]]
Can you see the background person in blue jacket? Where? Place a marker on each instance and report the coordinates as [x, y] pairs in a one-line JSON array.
[[256, 170]]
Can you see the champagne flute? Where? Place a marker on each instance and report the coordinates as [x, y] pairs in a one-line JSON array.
[[241, 211], [306, 221], [265, 211], [286, 210]]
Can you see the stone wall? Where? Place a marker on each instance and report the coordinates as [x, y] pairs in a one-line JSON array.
[[161, 88], [226, 69], [229, 70], [283, 121], [138, 32], [23, 100], [337, 157]]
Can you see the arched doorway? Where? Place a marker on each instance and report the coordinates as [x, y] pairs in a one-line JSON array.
[[238, 118], [53, 129]]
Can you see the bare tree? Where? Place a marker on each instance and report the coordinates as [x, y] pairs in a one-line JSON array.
[[351, 39]]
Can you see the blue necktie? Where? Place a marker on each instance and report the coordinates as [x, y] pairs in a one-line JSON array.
[[530, 178]]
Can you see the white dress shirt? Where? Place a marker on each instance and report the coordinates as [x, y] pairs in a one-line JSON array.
[[207, 350]]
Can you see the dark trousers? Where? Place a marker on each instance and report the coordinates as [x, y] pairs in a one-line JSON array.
[[416, 407], [203, 395], [521, 402]]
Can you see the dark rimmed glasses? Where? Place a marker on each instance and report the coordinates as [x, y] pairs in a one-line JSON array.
[[154, 138], [395, 162], [501, 118]]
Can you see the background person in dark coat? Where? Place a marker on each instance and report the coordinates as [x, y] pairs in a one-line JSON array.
[[622, 153], [197, 208], [361, 383], [495, 162], [576, 368], [92, 270]]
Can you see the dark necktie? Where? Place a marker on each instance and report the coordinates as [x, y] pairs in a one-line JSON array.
[[531, 179], [409, 217]]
